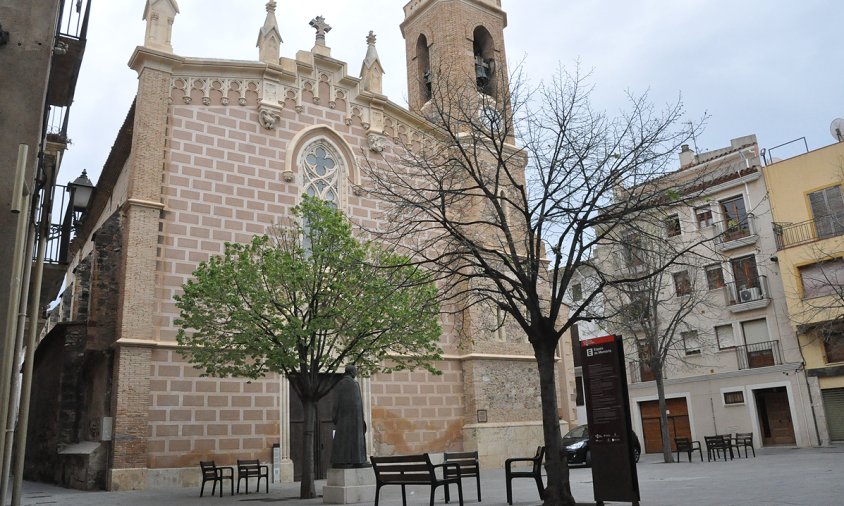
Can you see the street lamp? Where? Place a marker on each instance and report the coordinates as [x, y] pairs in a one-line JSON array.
[[80, 190]]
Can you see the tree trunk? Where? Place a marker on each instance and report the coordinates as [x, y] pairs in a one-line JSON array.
[[667, 455], [307, 490], [558, 491]]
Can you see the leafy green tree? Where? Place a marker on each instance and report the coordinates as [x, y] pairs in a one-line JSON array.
[[303, 301]]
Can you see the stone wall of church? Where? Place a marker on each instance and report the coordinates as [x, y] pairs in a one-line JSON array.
[[417, 412], [192, 418]]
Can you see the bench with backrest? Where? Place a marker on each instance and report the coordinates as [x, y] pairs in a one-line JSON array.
[[469, 467], [745, 440], [535, 472], [216, 474], [406, 470], [252, 469], [686, 445]]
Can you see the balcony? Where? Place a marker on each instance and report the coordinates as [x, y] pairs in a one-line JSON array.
[[747, 297], [795, 234], [732, 235], [764, 354]]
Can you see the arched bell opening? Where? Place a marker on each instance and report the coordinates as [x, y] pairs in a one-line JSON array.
[[423, 60], [483, 49]]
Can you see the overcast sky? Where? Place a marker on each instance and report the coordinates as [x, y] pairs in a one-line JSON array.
[[769, 67]]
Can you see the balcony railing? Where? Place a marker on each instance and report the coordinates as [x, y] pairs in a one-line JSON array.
[[793, 234], [743, 231], [750, 291], [60, 234], [764, 354]]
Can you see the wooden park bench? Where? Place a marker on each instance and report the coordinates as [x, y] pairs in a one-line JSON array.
[[415, 470], [534, 472], [469, 466], [252, 469], [217, 475]]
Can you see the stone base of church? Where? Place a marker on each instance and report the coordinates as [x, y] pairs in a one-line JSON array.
[[348, 486], [285, 474], [497, 442]]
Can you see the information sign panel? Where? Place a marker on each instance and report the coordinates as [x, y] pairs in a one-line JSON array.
[[614, 475]]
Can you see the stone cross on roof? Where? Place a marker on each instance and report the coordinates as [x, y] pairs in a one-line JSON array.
[[321, 29]]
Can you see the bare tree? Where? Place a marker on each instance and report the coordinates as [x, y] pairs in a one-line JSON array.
[[500, 179], [656, 314]]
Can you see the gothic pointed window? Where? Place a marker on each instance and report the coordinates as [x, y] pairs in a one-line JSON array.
[[321, 172]]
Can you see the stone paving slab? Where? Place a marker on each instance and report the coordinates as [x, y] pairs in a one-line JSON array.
[[780, 476]]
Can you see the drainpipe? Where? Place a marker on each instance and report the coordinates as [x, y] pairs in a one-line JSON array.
[[19, 260], [9, 425], [34, 310]]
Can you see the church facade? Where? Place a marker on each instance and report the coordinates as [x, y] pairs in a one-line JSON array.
[[215, 151]]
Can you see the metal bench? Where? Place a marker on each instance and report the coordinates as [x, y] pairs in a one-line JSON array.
[[252, 469], [534, 472], [217, 474], [406, 470], [469, 467]]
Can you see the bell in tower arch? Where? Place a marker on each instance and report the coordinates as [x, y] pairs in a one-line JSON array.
[[483, 49], [481, 72]]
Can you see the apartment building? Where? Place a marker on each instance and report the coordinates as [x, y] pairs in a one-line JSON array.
[[734, 363], [805, 195]]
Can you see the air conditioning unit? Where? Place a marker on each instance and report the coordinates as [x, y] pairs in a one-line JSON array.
[[750, 294]]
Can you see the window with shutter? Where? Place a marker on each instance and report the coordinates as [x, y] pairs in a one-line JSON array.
[[724, 334], [822, 278], [828, 211]]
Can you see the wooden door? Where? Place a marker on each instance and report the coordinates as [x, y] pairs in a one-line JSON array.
[[774, 416], [678, 423], [322, 436]]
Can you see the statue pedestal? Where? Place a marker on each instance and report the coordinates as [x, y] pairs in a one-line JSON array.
[[348, 486]]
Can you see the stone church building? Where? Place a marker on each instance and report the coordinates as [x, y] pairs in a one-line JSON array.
[[216, 151]]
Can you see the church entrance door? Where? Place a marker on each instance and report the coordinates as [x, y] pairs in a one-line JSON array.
[[322, 435]]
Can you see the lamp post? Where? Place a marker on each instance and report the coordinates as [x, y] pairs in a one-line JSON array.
[[80, 190]]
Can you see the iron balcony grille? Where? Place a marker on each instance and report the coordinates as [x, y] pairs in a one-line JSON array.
[[794, 234], [764, 354], [749, 291]]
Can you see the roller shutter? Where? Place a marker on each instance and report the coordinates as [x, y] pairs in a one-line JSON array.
[[833, 403]]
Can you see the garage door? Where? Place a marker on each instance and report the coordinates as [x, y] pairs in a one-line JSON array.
[[833, 403], [678, 423]]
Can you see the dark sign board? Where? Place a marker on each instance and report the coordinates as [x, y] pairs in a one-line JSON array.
[[614, 475]]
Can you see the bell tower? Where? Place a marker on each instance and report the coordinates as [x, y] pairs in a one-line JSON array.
[[464, 38]]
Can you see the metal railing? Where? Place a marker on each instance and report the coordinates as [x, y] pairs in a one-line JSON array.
[[749, 291], [732, 231], [59, 237], [793, 234], [73, 20], [764, 354]]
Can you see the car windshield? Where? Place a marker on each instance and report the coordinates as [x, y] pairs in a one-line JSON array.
[[577, 433]]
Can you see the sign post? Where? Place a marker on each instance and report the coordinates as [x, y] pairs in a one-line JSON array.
[[614, 475]]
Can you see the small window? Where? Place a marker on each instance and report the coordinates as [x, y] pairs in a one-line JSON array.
[[714, 276], [828, 211], [724, 334], [822, 278], [704, 217], [833, 343], [733, 398], [682, 283], [672, 226], [576, 292], [691, 342]]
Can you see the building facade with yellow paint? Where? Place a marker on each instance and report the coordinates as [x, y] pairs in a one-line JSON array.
[[807, 200]]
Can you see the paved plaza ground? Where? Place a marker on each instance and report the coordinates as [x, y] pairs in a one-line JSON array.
[[778, 476]]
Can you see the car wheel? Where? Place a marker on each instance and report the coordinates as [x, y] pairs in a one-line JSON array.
[[588, 459], [635, 455]]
